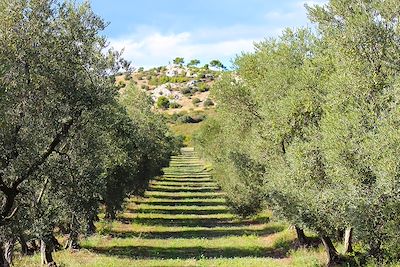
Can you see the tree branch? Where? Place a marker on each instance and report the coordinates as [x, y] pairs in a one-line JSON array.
[[42, 159]]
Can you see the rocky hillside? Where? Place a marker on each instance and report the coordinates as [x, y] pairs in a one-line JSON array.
[[175, 88]]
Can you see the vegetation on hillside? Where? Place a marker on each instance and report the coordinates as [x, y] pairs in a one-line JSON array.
[[308, 126]]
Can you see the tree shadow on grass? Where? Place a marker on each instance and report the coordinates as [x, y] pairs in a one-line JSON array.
[[184, 189], [195, 252], [175, 203], [199, 221], [171, 196], [198, 233], [179, 211]]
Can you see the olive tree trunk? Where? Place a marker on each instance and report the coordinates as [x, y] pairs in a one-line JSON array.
[[56, 245], [2, 259], [110, 213], [301, 236], [90, 227], [9, 252], [23, 244], [333, 257], [46, 250], [348, 236], [72, 241]]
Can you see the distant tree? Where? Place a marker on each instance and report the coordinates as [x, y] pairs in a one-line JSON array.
[[193, 62], [179, 60], [217, 64]]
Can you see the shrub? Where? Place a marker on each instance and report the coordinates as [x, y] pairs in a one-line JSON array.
[[163, 102], [186, 91], [190, 119], [175, 105], [185, 119], [195, 101], [208, 102], [203, 87]]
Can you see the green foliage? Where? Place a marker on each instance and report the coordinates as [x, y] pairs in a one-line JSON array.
[[186, 91], [203, 87], [68, 144], [208, 102], [193, 62], [175, 105], [217, 64], [307, 125], [165, 79], [195, 101], [163, 102], [179, 60]]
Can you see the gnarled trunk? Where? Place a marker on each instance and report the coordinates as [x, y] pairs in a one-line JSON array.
[[333, 257], [2, 259], [110, 213], [9, 252], [24, 245], [301, 237], [46, 250], [72, 241], [90, 228], [348, 236], [56, 245]]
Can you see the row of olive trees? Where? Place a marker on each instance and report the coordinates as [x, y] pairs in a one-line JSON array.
[[308, 124], [69, 141]]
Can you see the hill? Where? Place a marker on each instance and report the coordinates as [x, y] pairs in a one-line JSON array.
[[175, 88]]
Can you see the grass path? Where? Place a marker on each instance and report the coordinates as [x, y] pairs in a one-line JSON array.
[[183, 220]]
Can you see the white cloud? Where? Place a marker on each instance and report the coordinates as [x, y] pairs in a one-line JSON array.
[[154, 48], [149, 47]]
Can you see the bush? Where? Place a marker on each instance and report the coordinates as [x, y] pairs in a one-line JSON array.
[[203, 87], [186, 91], [208, 102], [190, 119], [163, 102], [175, 105], [195, 101], [128, 77], [184, 119]]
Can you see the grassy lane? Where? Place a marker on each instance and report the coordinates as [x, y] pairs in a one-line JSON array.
[[183, 220]]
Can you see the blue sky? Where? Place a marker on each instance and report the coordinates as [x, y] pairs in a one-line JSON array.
[[153, 32]]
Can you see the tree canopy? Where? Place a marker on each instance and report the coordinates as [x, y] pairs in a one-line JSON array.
[[68, 141], [307, 125]]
